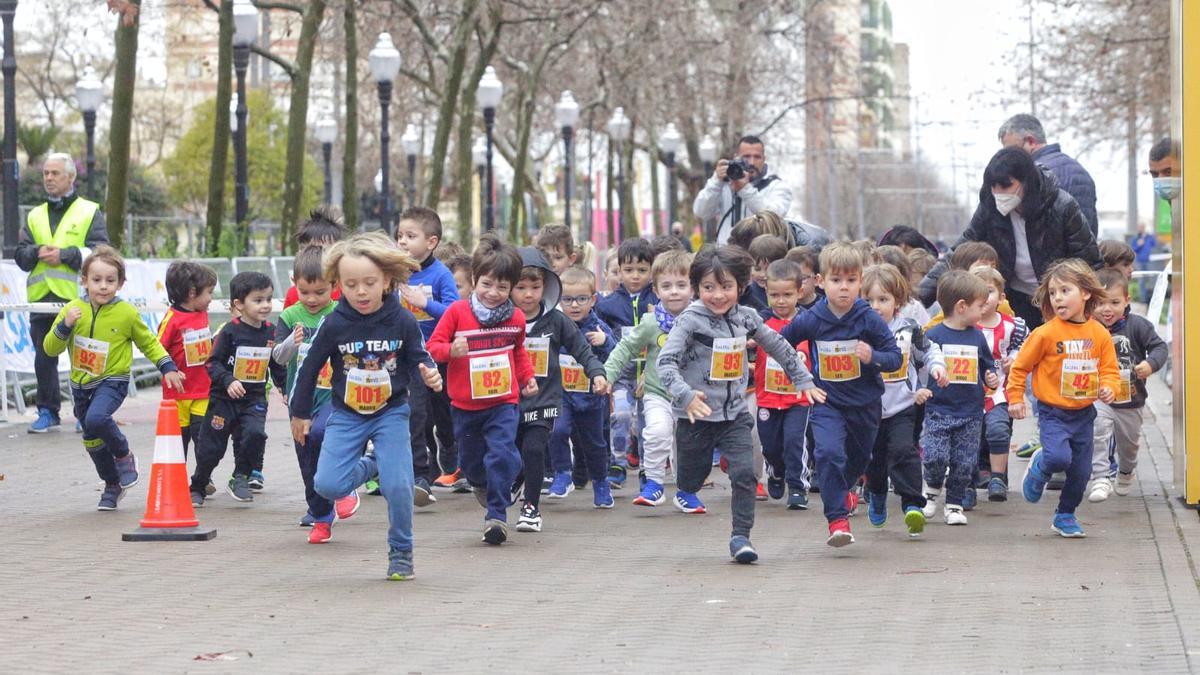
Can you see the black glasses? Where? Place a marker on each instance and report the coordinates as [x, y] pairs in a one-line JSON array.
[[575, 299]]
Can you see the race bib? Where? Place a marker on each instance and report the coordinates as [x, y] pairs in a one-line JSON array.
[[197, 346], [367, 390], [490, 376], [775, 379], [418, 313], [324, 377], [250, 364], [728, 359], [89, 356], [1125, 389], [901, 374], [962, 363], [1080, 379], [837, 360], [539, 355], [574, 377]]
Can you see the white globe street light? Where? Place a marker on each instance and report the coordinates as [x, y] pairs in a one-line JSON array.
[[489, 93], [89, 93], [326, 132], [384, 60], [566, 112]]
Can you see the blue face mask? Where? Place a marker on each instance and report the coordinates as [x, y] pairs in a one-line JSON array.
[[1168, 187]]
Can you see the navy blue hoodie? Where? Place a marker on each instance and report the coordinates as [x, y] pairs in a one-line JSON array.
[[387, 340], [590, 324], [617, 309], [821, 328]]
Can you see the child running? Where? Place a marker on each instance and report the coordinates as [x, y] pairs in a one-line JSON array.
[[674, 290], [374, 346], [703, 366], [99, 329], [1004, 334], [1140, 354], [1073, 363], [895, 455], [482, 338], [184, 333]]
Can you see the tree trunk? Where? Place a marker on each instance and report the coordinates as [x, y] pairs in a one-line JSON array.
[[120, 131], [220, 150], [453, 85], [293, 176], [350, 145]]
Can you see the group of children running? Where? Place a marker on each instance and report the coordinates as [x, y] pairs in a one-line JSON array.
[[408, 367]]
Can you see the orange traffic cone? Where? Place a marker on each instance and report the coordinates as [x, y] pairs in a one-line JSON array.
[[169, 513]]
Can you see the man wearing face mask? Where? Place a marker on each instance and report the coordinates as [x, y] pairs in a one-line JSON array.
[[740, 188], [1164, 169], [56, 238], [1030, 221], [1025, 132]]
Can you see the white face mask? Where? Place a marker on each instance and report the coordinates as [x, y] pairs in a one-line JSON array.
[[1005, 203]]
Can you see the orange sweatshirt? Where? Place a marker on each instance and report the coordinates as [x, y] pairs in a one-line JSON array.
[[1069, 361]]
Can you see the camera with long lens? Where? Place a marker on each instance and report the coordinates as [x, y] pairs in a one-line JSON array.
[[737, 169]]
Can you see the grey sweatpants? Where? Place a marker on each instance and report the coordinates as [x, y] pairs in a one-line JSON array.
[[694, 443], [1120, 427]]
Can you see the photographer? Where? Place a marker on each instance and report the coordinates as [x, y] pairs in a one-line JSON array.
[[741, 187]]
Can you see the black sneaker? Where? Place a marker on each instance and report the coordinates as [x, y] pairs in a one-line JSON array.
[[775, 486], [1057, 481], [198, 501], [239, 488], [495, 532], [530, 520], [422, 494], [110, 497], [797, 500], [997, 490]]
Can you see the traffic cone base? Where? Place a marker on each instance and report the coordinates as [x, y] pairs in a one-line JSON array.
[[169, 513]]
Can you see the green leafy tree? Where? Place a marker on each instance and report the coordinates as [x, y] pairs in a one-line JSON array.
[[186, 171], [36, 140]]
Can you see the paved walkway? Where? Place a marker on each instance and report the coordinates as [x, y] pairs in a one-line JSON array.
[[597, 591]]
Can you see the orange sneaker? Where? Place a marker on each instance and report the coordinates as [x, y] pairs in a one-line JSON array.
[[760, 494], [450, 482], [320, 533]]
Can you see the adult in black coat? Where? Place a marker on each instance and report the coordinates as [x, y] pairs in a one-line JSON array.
[[1017, 193]]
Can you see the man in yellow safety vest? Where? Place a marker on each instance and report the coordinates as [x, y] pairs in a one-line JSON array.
[[56, 238]]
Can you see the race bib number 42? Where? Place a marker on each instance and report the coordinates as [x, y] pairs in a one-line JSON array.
[[490, 376], [367, 390], [90, 356], [837, 360], [728, 359], [962, 363], [250, 364], [1080, 379], [197, 346]]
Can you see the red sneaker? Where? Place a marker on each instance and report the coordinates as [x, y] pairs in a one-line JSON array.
[[760, 494], [724, 464], [320, 533], [347, 506], [839, 533], [851, 503]]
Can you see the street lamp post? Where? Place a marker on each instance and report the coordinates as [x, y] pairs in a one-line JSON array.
[[8, 8], [669, 142], [489, 94], [411, 142], [385, 65], [566, 112], [618, 131], [327, 134], [89, 93], [479, 156], [708, 155], [245, 32]]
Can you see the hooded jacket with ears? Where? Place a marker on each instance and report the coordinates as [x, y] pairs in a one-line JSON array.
[[1056, 229]]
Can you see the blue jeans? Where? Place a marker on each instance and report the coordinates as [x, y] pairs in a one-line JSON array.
[[1067, 445], [487, 453], [307, 455], [102, 438], [844, 440], [584, 427], [783, 434], [342, 468]]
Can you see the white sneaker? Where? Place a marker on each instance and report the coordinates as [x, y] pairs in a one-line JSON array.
[[1124, 484], [954, 515], [1102, 489], [931, 499]]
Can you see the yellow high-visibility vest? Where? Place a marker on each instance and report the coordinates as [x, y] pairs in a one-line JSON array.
[[72, 230]]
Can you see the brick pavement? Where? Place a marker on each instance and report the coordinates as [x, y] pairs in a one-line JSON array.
[[597, 591]]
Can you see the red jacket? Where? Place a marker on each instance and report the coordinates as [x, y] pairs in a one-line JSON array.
[[496, 357], [190, 359], [780, 381]]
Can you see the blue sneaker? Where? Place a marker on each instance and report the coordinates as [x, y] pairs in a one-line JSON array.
[[877, 509], [741, 550], [1027, 449], [46, 421], [716, 458], [306, 520], [616, 476], [914, 518], [78, 427], [256, 481], [652, 494], [561, 486], [688, 502], [775, 486], [110, 497], [970, 498], [797, 500], [602, 495], [1067, 525], [400, 565], [1035, 481], [127, 469]]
